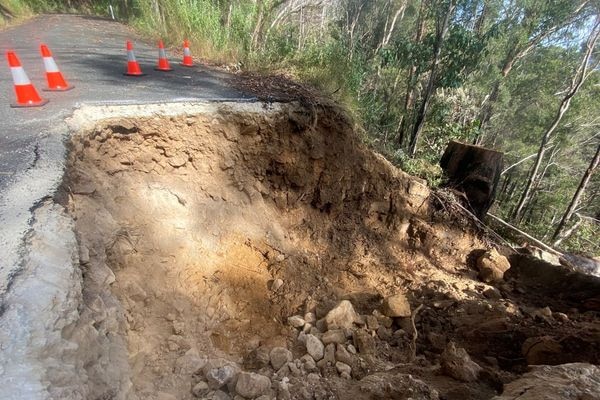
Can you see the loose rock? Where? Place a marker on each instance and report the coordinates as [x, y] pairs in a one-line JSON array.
[[279, 356], [190, 363], [542, 350], [364, 342], [343, 367], [220, 395], [200, 389], [251, 385], [219, 377], [457, 364], [341, 316], [314, 347], [343, 355], [296, 321], [396, 306], [378, 386], [308, 363], [276, 285], [492, 266], [334, 336], [575, 381]]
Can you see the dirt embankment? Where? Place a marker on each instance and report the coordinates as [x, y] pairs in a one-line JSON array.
[[200, 235]]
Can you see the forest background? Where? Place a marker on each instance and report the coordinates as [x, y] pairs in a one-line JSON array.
[[518, 76]]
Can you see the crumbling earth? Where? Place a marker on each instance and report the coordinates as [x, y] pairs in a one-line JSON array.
[[271, 255]]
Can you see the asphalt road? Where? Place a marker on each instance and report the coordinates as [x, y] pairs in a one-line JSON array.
[[91, 54]]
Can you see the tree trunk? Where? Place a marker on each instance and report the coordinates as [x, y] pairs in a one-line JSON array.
[[420, 118], [411, 81], [517, 52], [577, 196], [475, 171], [580, 76]]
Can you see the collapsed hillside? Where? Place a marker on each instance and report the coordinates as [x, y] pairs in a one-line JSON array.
[[269, 254]]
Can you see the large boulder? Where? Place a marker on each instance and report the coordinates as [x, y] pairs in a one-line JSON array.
[[492, 266], [576, 381]]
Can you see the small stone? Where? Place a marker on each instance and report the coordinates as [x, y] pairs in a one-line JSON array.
[[219, 377], [328, 355], [178, 327], [343, 355], [341, 316], [252, 385], [279, 356], [302, 337], [364, 342], [296, 321], [457, 364], [310, 318], [308, 363], [321, 325], [307, 327], [200, 389], [561, 317], [345, 375], [384, 333], [334, 336], [342, 367], [545, 312], [283, 372], [190, 363], [492, 266], [351, 349], [492, 293], [372, 322], [314, 347], [382, 319], [171, 317], [84, 254], [276, 285], [178, 161], [220, 395], [258, 358], [294, 369], [396, 306]]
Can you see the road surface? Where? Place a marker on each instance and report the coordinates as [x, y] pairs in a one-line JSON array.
[[91, 55]]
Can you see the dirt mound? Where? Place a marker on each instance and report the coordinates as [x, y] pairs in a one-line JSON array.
[[201, 235]]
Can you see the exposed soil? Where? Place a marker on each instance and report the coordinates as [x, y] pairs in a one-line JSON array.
[[201, 234]]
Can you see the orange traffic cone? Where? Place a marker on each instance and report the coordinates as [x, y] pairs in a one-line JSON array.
[[163, 63], [56, 81], [27, 96], [187, 55], [133, 68]]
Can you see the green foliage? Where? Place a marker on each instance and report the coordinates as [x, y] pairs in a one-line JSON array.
[[499, 78]]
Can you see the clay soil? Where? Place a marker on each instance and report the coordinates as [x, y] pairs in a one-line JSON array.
[[201, 235]]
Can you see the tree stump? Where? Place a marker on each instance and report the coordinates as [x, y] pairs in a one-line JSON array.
[[474, 171]]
